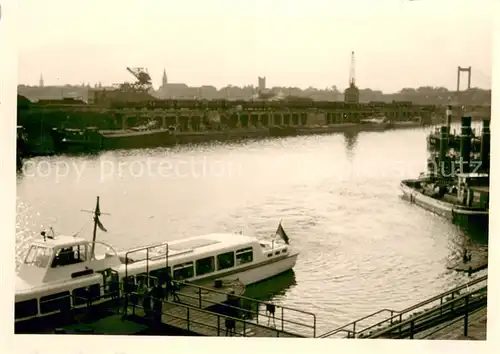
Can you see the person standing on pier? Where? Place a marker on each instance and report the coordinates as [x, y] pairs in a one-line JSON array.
[[465, 258], [158, 295], [230, 326], [171, 287]]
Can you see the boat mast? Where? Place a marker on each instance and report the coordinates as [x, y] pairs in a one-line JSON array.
[[97, 223], [96, 218]]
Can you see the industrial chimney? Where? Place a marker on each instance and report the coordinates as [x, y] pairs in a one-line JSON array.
[[449, 112], [465, 143], [485, 146], [443, 148]]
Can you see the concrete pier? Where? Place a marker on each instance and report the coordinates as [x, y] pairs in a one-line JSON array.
[[206, 118]]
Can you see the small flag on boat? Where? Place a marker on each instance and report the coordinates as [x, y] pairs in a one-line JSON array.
[[281, 232], [96, 217], [100, 225]]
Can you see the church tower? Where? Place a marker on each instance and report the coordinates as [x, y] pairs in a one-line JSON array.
[[40, 83], [164, 80]]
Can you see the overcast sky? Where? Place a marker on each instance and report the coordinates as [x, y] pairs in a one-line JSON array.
[[398, 43]]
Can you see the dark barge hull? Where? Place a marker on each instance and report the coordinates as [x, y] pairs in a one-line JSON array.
[[111, 140], [139, 139], [455, 213]]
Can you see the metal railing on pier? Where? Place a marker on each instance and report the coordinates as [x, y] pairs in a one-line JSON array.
[[461, 306], [204, 322], [254, 311], [464, 318], [353, 330]]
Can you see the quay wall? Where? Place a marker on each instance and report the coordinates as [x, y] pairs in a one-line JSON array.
[[40, 118]]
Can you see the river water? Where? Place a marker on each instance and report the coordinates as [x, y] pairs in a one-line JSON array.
[[362, 247]]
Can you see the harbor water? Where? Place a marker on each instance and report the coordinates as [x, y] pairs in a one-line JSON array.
[[362, 247]]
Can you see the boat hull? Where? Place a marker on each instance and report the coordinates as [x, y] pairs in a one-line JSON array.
[[374, 127], [455, 213], [133, 140], [405, 125], [262, 272]]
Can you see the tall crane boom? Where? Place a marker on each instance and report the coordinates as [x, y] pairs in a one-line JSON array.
[[141, 74], [143, 82], [352, 74]]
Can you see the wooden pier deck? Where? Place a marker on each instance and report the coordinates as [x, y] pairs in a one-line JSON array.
[[208, 311], [208, 323], [205, 294]]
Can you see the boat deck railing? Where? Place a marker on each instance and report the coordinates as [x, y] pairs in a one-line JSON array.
[[361, 326], [256, 311], [161, 252]]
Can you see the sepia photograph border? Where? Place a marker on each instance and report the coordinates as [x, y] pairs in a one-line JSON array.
[[68, 344]]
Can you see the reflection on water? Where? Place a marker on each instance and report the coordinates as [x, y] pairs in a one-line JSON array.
[[272, 289], [361, 247], [351, 139]]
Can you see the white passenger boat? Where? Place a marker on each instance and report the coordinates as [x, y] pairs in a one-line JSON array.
[[60, 272]]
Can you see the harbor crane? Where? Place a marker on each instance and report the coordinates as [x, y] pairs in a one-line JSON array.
[[143, 82]]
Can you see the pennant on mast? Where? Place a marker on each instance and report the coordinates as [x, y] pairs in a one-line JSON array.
[[97, 213], [281, 233], [100, 225]]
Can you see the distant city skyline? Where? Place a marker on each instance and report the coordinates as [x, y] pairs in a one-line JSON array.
[[301, 44]]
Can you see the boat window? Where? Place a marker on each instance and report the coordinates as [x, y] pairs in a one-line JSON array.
[[161, 273], [26, 308], [38, 256], [82, 273], [70, 255], [284, 250], [244, 255], [144, 281], [269, 254], [82, 295], [55, 302], [225, 260], [183, 271], [276, 253], [110, 281], [129, 284], [205, 265]]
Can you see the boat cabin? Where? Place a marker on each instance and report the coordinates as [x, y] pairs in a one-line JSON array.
[[473, 189], [61, 258], [200, 257]]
